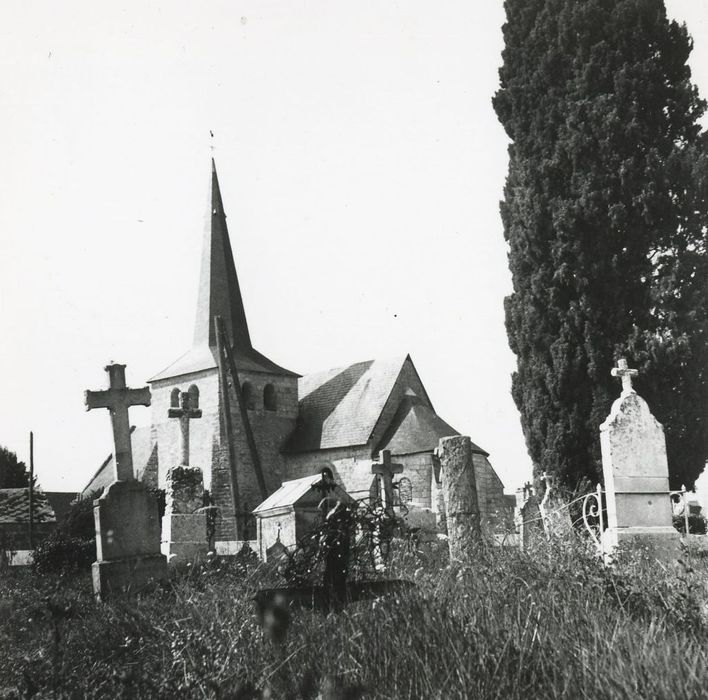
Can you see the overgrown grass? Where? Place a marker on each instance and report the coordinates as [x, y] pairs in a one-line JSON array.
[[554, 624]]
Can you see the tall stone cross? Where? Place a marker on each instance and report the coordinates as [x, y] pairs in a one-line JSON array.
[[118, 398], [385, 471], [622, 370], [185, 413]]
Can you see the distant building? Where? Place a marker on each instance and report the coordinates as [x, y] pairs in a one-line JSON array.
[[15, 523]]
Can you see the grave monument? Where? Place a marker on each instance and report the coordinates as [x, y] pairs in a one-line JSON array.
[[127, 524], [636, 476], [184, 525], [460, 494]]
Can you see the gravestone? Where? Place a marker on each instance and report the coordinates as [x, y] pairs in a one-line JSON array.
[[128, 554], [184, 525], [460, 495], [636, 476]]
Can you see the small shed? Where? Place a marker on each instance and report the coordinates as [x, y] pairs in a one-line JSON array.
[[291, 512]]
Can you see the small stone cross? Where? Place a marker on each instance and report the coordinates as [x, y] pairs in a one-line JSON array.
[[385, 471], [185, 413], [118, 398], [626, 374]]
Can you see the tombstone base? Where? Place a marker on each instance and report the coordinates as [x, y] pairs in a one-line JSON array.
[[660, 543], [184, 552], [129, 575], [184, 537]]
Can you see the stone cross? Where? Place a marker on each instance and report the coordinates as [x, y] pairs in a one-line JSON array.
[[185, 413], [385, 471], [622, 370], [118, 398]]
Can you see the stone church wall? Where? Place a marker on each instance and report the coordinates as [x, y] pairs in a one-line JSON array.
[[351, 467], [490, 495], [270, 430], [419, 469]]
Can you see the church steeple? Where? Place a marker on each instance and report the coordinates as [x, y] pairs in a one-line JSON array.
[[219, 295], [219, 290]]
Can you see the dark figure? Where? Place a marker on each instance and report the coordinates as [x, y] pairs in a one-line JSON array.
[[335, 541]]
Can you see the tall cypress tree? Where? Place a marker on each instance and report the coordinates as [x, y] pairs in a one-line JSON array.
[[604, 212]]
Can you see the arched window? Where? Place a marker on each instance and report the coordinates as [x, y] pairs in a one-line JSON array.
[[270, 402], [248, 395], [174, 398], [193, 392]]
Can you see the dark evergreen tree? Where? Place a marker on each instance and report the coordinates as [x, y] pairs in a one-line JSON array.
[[13, 473], [604, 212]]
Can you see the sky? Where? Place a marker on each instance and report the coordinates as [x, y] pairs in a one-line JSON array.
[[361, 166]]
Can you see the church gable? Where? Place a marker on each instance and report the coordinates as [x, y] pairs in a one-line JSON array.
[[408, 387], [415, 428]]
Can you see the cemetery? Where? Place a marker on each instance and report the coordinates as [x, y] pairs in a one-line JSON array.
[[249, 532]]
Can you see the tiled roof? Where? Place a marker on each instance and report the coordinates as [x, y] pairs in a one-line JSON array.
[[417, 428], [340, 407], [14, 506]]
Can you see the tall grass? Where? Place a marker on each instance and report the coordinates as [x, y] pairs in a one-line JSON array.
[[552, 624]]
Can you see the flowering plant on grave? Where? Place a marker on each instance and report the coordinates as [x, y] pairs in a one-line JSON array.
[[362, 531]]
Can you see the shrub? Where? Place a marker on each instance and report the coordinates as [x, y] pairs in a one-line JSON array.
[[73, 546], [696, 524], [62, 553]]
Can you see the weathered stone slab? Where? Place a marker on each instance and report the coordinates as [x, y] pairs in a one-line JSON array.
[[184, 530], [127, 540], [460, 495], [636, 476]]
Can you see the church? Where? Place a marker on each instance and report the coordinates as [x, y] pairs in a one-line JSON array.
[[276, 425]]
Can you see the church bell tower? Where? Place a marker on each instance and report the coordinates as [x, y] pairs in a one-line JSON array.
[[229, 449]]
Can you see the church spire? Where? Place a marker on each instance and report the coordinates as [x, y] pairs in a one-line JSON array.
[[219, 295], [219, 291]]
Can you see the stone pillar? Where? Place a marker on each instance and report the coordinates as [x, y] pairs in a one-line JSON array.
[[636, 476], [184, 530], [460, 494], [128, 554]]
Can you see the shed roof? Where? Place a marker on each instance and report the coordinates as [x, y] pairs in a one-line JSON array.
[[292, 491]]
